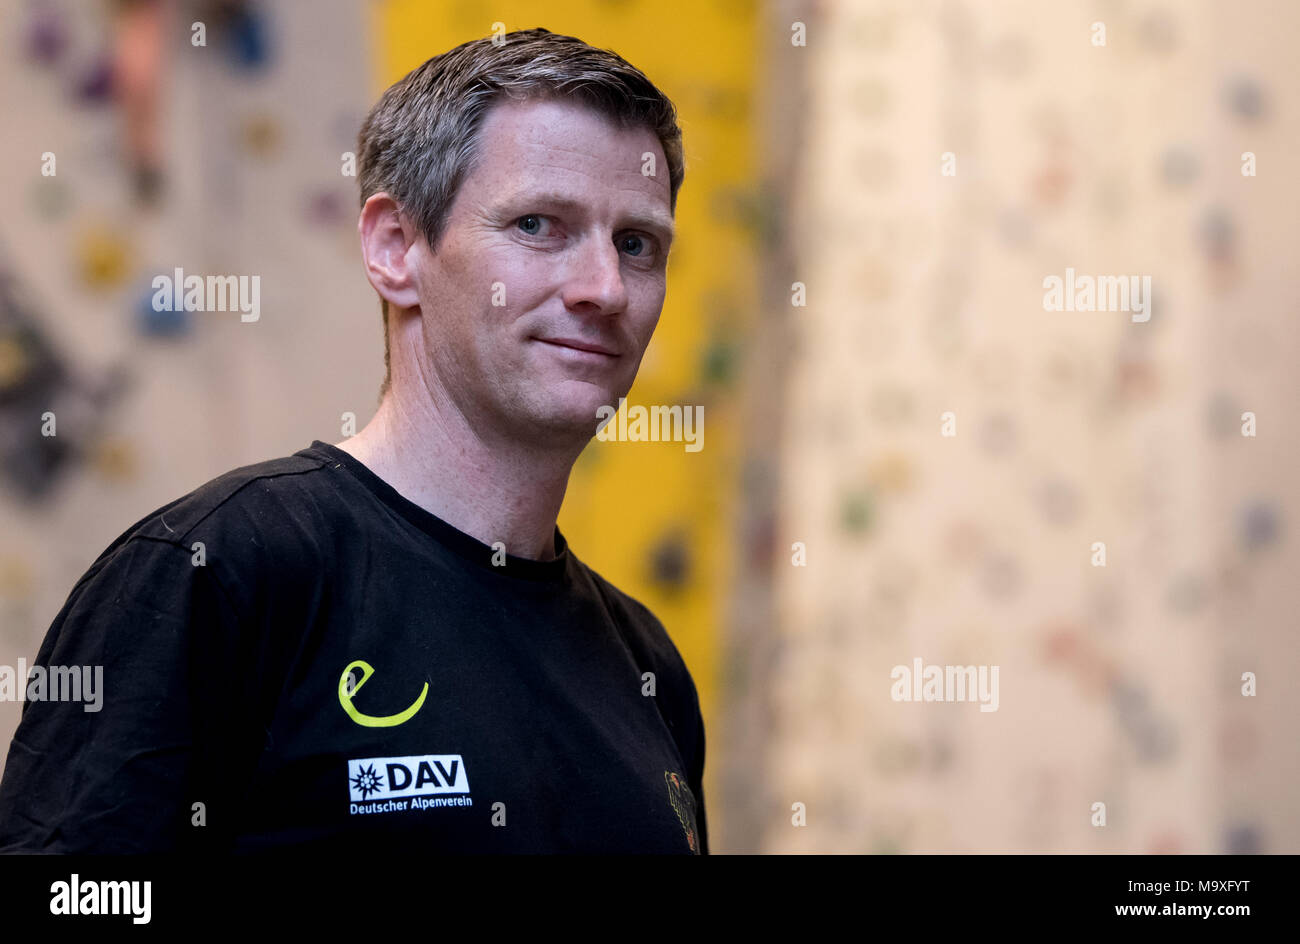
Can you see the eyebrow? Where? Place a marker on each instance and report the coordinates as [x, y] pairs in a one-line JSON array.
[[658, 223]]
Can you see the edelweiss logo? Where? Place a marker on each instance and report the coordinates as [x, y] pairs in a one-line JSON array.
[[417, 782], [366, 782]]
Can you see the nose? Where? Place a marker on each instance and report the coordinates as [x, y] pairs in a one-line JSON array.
[[595, 283]]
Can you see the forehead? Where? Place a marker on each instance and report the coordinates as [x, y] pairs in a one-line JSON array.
[[562, 146]]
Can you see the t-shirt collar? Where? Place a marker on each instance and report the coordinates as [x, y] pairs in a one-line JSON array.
[[446, 534]]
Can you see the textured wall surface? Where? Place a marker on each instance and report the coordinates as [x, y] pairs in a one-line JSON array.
[[251, 135], [1119, 684]]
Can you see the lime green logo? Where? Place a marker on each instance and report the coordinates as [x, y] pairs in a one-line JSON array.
[[347, 690]]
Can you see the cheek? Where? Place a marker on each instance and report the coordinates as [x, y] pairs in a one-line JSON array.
[[515, 282], [480, 294], [645, 304]]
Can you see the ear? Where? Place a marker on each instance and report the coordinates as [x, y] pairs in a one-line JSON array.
[[386, 240]]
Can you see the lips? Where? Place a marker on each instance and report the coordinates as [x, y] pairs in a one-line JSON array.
[[579, 345]]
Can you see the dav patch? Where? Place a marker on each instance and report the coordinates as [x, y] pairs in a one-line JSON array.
[[682, 800], [407, 778]]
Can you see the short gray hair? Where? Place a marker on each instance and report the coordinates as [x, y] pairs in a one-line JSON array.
[[419, 142]]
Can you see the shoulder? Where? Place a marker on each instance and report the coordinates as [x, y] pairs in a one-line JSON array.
[[649, 640], [264, 517], [676, 696], [629, 613], [257, 498]]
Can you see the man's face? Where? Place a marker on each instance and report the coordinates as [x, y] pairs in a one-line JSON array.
[[550, 275]]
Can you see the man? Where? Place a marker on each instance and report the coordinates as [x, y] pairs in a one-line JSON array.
[[387, 642]]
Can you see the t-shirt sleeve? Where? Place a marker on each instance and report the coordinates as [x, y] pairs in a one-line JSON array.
[[121, 770]]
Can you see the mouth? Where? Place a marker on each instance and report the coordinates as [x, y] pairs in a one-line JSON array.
[[592, 350]]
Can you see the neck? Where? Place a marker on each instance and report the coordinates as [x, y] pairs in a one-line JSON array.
[[493, 491]]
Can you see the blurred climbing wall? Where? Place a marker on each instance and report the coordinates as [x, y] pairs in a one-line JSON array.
[[954, 454], [250, 129]]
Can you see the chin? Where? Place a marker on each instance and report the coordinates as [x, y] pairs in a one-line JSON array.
[[568, 409]]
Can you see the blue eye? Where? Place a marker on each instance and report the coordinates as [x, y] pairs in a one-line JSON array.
[[534, 219], [630, 243]]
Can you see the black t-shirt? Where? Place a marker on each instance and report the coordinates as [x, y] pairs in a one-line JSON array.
[[297, 657]]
